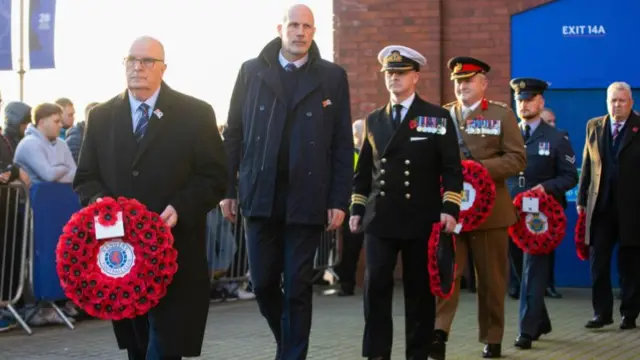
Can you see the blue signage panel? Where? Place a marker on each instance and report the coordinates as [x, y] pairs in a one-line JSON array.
[[578, 44], [6, 57]]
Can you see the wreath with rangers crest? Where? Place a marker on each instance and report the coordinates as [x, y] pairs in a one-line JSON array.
[[539, 232], [120, 277]]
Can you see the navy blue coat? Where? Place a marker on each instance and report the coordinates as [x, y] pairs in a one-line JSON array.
[[321, 141], [556, 172]]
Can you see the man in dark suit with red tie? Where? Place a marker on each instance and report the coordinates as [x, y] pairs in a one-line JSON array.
[[608, 192], [161, 147]]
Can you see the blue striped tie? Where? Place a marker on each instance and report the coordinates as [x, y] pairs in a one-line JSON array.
[[143, 122]]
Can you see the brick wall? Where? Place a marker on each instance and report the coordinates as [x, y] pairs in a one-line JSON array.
[[439, 29]]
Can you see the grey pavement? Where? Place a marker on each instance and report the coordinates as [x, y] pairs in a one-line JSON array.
[[237, 331]]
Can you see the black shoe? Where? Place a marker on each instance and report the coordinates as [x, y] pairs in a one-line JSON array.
[[552, 293], [439, 345], [627, 323], [523, 342], [514, 293], [598, 322], [346, 291], [543, 329], [492, 351]]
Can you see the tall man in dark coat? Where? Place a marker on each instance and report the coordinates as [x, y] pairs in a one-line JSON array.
[[608, 192], [289, 144], [550, 169], [409, 145], [162, 148]]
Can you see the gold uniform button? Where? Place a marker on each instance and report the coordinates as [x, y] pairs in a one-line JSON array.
[[406, 183], [382, 193], [382, 171], [382, 182], [408, 196], [407, 162], [406, 173], [384, 160]]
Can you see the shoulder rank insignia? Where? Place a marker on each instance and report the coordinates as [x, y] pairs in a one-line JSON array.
[[499, 103]]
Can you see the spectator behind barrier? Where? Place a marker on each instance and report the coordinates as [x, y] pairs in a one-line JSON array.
[[75, 134], [17, 115], [41, 153], [68, 115]]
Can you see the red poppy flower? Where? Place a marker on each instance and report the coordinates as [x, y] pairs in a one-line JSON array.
[[542, 232], [413, 124], [582, 250]]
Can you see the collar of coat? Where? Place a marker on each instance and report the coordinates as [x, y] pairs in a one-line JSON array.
[[269, 53]]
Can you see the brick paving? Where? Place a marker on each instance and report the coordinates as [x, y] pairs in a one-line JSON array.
[[237, 331]]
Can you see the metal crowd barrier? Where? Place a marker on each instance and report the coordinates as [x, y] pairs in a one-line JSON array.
[[15, 235], [227, 250]]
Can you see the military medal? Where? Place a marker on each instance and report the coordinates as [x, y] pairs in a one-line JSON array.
[[547, 147], [419, 128], [442, 126]]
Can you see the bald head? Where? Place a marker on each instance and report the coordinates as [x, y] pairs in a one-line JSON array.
[[297, 31], [150, 45], [145, 67], [298, 10]]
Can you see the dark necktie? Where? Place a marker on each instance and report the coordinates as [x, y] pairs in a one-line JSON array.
[[143, 122], [616, 130], [290, 67], [527, 132], [397, 115]]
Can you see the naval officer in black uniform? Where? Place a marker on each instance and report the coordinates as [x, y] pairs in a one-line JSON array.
[[550, 168], [409, 144]]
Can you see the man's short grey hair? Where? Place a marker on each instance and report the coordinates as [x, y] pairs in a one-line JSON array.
[[619, 85]]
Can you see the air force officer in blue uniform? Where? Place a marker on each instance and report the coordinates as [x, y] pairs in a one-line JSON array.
[[550, 168]]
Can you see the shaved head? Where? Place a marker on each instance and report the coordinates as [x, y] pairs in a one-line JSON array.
[[153, 46], [298, 9], [296, 31]]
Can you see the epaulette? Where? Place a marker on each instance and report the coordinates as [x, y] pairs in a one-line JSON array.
[[499, 103], [449, 105]]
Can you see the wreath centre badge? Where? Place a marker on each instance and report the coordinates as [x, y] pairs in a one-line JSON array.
[[468, 196], [537, 223], [116, 258]]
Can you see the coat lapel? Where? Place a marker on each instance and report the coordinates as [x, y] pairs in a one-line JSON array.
[[156, 123], [123, 127], [382, 129], [271, 77], [600, 134], [402, 132], [632, 125], [308, 81]]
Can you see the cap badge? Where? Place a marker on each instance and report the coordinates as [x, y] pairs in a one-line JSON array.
[[394, 57], [457, 68], [522, 84]]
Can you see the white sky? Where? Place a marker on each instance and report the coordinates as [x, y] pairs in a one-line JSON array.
[[205, 41]]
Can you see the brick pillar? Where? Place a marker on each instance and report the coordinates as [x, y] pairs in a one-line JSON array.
[[439, 29]]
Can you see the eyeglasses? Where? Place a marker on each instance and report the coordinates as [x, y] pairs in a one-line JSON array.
[[146, 62]]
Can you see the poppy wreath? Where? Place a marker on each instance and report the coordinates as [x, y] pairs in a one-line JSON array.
[[478, 195], [539, 233], [114, 279], [441, 261], [582, 250]]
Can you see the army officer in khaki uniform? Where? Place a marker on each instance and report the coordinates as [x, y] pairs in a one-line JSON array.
[[502, 152]]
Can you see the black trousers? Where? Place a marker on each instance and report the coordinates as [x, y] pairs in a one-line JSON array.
[[604, 237], [277, 248], [144, 331], [419, 303], [515, 269], [351, 248]]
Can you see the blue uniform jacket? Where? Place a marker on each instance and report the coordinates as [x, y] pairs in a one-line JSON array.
[[321, 141], [556, 171]]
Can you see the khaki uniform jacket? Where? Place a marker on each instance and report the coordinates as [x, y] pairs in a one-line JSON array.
[[502, 154]]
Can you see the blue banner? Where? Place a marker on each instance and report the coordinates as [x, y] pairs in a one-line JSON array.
[[6, 57], [577, 44], [42, 15]]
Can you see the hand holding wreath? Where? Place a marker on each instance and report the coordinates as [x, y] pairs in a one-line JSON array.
[[119, 278]]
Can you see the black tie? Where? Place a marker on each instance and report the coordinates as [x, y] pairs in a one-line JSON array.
[[290, 67], [527, 132], [397, 115]]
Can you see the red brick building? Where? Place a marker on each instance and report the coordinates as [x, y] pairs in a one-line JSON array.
[[439, 29]]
